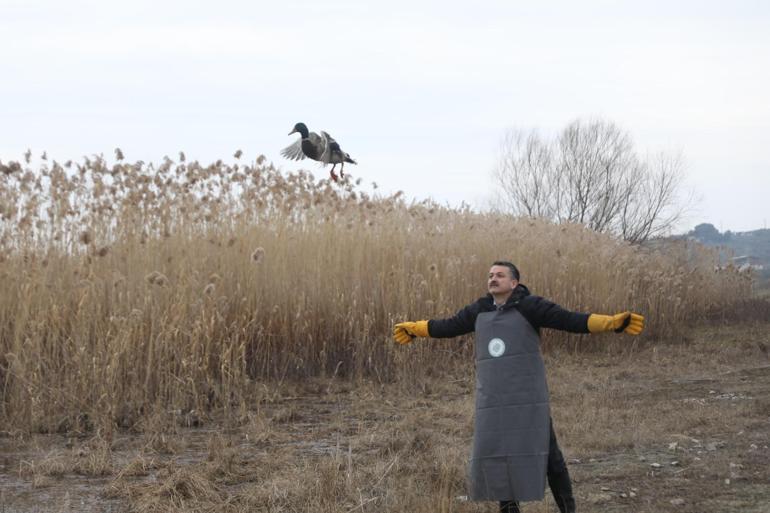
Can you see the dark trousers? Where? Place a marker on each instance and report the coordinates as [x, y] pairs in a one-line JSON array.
[[558, 481]]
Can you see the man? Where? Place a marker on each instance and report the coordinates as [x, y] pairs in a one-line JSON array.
[[514, 444]]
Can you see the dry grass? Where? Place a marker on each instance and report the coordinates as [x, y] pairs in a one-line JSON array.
[[92, 459], [640, 427], [133, 290]]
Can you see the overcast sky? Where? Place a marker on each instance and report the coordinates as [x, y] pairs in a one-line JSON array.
[[419, 93]]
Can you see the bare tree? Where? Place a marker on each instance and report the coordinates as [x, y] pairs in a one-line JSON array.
[[590, 174], [529, 160]]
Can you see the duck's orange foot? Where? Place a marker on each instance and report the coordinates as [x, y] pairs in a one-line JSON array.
[[333, 176]]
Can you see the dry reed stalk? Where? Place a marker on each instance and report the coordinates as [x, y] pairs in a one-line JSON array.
[[107, 324]]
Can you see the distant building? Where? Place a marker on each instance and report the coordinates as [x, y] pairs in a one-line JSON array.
[[746, 262]]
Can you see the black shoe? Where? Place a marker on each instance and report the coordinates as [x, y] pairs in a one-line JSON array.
[[509, 507]]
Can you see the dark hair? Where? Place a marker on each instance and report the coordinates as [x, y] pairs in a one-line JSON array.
[[509, 265]]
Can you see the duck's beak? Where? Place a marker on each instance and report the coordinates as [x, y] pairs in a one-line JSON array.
[[293, 131]]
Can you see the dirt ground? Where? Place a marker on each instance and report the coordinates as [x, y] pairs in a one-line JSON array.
[[681, 426]]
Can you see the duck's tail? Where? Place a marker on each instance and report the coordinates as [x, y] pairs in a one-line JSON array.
[[350, 160]]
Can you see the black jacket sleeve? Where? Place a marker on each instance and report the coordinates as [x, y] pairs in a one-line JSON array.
[[464, 321], [542, 313]]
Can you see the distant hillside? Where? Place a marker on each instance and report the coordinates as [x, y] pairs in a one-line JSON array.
[[754, 244]]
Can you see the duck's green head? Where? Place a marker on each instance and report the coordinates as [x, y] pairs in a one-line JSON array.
[[301, 128]]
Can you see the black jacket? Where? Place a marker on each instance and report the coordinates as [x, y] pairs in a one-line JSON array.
[[540, 313]]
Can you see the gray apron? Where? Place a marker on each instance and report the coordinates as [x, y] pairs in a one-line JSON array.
[[510, 439]]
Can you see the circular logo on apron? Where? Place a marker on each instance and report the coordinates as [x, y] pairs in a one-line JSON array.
[[496, 347]]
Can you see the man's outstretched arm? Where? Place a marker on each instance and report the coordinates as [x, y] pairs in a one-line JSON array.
[[542, 313], [464, 321]]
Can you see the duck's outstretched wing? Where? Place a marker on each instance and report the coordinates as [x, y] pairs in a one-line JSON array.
[[331, 149], [294, 151], [320, 144]]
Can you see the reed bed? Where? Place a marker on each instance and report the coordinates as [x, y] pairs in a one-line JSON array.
[[133, 288]]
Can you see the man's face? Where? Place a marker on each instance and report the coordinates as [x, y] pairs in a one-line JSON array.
[[500, 280]]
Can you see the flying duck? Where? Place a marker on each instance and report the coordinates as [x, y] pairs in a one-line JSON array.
[[322, 148]]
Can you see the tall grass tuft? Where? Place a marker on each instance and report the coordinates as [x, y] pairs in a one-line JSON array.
[[131, 288]]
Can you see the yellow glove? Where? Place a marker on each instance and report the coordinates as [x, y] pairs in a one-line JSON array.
[[625, 322], [404, 332]]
